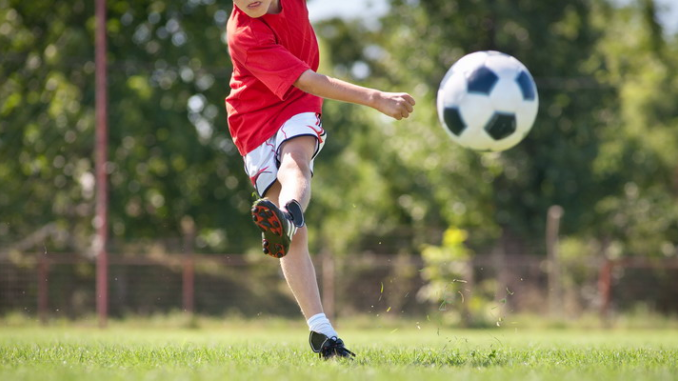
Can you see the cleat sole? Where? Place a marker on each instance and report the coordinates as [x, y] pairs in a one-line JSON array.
[[274, 242]]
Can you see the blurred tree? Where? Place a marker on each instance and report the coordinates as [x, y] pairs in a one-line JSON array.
[[46, 126], [637, 163], [571, 158], [433, 182], [171, 157], [602, 147]]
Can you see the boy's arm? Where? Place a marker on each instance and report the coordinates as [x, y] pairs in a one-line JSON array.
[[395, 105]]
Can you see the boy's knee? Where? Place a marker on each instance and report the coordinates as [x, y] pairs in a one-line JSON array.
[[298, 153], [295, 160]]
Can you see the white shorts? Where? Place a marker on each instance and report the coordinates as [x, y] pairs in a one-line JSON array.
[[263, 162]]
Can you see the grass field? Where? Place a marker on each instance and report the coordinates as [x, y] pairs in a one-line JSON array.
[[243, 351]]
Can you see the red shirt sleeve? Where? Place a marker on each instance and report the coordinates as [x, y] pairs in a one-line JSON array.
[[271, 63]]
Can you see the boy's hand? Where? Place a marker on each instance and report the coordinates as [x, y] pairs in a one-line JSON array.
[[395, 105]]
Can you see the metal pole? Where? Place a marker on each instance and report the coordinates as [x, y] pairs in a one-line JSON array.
[[101, 156], [605, 288], [188, 279], [43, 288], [555, 213]]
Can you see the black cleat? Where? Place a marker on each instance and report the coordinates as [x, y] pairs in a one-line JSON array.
[[295, 213], [277, 228], [328, 347]]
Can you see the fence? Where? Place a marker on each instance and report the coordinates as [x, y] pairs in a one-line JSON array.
[[49, 286]]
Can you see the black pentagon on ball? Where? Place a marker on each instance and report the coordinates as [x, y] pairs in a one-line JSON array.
[[453, 120], [481, 80], [501, 125], [526, 85]]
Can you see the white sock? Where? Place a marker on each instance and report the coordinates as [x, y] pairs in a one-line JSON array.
[[321, 324]]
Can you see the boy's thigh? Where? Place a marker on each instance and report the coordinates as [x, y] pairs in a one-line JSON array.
[[299, 150], [305, 124], [262, 163]]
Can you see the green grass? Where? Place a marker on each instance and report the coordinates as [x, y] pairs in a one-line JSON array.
[[279, 351]]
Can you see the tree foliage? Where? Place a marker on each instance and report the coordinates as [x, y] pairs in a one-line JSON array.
[[574, 155], [171, 158], [603, 146]]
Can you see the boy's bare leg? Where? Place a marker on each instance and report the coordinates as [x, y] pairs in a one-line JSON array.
[[300, 275], [294, 173], [294, 183]]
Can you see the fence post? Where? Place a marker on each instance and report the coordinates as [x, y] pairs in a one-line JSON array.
[[467, 295], [605, 287], [101, 158], [501, 274], [43, 301], [555, 291], [188, 276]]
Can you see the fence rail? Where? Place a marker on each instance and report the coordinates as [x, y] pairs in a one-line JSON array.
[[63, 285]]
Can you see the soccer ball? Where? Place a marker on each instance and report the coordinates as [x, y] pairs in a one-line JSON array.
[[487, 101]]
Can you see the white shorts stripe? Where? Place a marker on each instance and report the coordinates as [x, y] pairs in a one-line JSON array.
[[263, 162]]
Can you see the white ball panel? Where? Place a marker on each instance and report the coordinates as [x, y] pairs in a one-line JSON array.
[[454, 90], [527, 114], [477, 139], [506, 96], [504, 66], [476, 110], [469, 62]]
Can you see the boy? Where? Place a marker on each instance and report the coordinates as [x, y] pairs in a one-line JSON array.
[[274, 119]]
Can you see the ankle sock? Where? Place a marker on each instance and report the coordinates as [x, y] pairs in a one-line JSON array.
[[321, 324]]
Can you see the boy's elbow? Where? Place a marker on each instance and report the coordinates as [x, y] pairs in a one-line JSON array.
[[305, 81]]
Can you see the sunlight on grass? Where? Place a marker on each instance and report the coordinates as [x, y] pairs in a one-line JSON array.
[[251, 351]]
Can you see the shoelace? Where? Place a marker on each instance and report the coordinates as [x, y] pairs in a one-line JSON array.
[[335, 347]]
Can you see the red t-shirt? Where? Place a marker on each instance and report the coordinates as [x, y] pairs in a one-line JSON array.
[[269, 54]]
